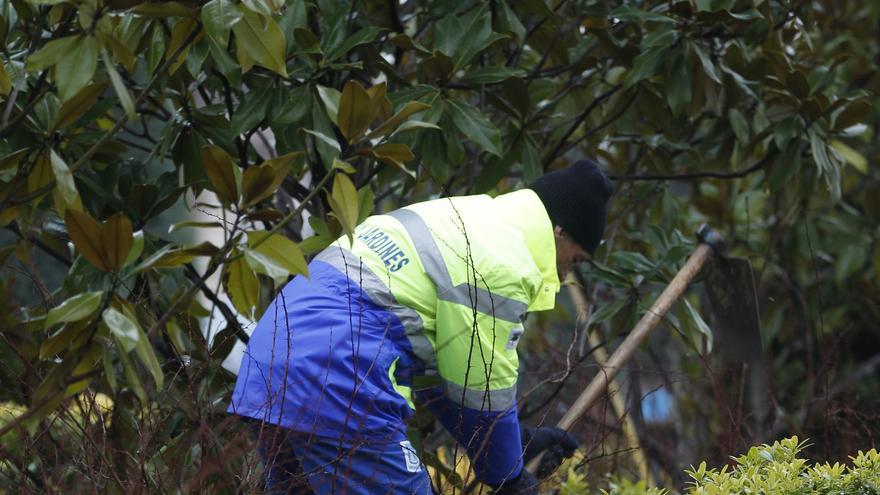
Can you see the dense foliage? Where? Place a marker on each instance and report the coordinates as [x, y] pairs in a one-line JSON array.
[[773, 469], [166, 166]]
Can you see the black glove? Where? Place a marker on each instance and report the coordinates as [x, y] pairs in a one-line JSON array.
[[557, 445], [524, 484]]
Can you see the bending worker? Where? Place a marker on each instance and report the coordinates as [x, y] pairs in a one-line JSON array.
[[428, 299]]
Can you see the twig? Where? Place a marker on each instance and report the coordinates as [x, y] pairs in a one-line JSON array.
[[231, 318], [577, 123], [40, 244], [698, 175]]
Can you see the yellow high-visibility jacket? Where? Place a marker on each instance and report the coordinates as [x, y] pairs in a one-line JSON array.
[[430, 298]]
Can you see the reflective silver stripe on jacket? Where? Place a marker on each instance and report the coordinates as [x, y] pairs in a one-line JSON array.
[[466, 294], [348, 263], [482, 399]]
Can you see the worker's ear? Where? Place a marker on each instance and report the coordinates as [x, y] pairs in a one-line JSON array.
[[557, 232]]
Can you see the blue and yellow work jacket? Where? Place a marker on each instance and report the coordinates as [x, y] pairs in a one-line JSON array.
[[428, 300]]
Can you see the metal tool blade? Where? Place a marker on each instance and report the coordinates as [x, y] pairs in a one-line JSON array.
[[730, 284]]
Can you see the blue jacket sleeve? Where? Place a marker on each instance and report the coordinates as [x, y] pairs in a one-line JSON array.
[[492, 439]]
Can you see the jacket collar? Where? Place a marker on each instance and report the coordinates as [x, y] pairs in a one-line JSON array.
[[527, 211]]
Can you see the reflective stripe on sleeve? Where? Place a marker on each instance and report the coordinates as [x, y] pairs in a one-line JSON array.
[[348, 263], [482, 399], [485, 301]]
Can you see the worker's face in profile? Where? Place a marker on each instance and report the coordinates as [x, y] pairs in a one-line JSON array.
[[568, 253]]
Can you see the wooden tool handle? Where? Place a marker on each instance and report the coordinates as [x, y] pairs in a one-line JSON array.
[[639, 333]]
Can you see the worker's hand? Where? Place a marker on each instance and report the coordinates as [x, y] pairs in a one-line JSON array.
[[556, 444], [524, 484]]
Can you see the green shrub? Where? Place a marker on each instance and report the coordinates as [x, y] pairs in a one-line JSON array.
[[776, 469], [765, 470]]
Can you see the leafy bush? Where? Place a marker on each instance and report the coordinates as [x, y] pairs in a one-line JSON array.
[[777, 469], [767, 469]]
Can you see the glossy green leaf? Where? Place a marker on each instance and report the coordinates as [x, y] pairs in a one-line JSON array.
[[279, 250], [180, 32], [645, 65], [531, 162], [262, 39], [76, 308], [121, 89], [50, 54], [41, 174], [462, 37], [509, 22], [362, 36], [740, 126], [77, 66], [147, 356], [193, 224], [828, 169], [344, 203], [699, 332], [325, 139], [218, 18], [242, 286], [678, 84], [176, 336], [132, 377], [489, 75], [366, 203], [137, 247], [330, 97], [850, 155], [307, 41], [787, 130], [414, 125], [109, 371], [607, 311], [156, 50], [251, 112], [344, 166], [126, 331], [629, 13], [475, 126], [64, 181], [708, 66]]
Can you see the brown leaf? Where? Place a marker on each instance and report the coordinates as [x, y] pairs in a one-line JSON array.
[[380, 105], [219, 169], [76, 107], [41, 174], [116, 240], [354, 111], [86, 236], [256, 183], [390, 124]]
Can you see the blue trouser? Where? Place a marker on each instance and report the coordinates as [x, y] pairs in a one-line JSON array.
[[300, 462]]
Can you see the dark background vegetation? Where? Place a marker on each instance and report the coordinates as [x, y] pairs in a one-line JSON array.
[[121, 119]]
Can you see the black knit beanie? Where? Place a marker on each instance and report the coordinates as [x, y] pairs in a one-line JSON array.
[[575, 199]]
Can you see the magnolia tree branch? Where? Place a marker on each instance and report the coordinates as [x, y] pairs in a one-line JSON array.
[[120, 122]]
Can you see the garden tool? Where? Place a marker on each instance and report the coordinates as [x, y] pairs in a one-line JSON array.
[[731, 287]]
